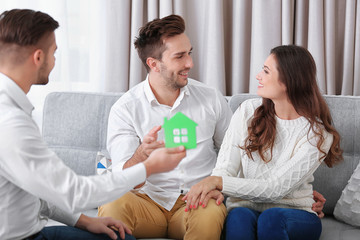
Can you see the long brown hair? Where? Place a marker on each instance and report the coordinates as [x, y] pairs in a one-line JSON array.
[[297, 70]]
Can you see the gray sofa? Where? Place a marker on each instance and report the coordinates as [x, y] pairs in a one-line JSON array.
[[74, 126]]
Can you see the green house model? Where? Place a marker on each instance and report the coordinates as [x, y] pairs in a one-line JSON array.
[[180, 130]]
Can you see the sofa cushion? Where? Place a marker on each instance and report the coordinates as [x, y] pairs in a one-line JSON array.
[[335, 230], [331, 181], [347, 208], [237, 99], [103, 163]]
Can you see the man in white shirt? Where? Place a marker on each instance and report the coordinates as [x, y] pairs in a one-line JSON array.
[[34, 183], [156, 209]]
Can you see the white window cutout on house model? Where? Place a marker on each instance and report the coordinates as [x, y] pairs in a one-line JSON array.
[[180, 136]]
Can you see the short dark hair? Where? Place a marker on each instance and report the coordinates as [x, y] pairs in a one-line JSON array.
[[25, 27], [150, 42]]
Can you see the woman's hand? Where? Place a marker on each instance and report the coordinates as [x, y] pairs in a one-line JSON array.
[[215, 194], [198, 193], [319, 203]]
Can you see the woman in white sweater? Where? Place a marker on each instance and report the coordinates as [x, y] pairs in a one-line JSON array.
[[270, 151]]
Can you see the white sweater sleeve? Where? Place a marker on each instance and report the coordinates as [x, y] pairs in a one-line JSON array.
[[228, 161]]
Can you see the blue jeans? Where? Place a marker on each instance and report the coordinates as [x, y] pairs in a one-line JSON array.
[[67, 233], [273, 223]]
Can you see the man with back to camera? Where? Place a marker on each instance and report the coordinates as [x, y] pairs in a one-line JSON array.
[[34, 183], [155, 209]]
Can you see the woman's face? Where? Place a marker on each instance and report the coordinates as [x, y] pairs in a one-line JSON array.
[[270, 85]]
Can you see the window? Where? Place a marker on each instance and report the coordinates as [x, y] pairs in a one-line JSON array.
[[180, 135]]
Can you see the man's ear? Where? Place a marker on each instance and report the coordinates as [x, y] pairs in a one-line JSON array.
[[153, 64], [38, 57]]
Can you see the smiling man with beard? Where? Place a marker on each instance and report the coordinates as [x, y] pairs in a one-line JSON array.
[[155, 208]]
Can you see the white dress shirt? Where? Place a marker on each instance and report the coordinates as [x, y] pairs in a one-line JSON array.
[[138, 111], [34, 183]]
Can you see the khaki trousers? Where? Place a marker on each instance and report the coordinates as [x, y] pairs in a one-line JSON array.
[[147, 219]]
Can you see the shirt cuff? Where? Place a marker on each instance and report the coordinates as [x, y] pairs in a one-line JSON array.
[[227, 185], [53, 212], [135, 174]]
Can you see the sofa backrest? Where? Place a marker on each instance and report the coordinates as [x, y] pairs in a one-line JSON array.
[[346, 118], [75, 125]]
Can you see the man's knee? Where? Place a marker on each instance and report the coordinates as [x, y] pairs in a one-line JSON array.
[[211, 211], [120, 209], [206, 222], [139, 213]]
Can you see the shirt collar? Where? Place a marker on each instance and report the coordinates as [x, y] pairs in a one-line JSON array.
[[148, 92], [151, 97], [10, 88]]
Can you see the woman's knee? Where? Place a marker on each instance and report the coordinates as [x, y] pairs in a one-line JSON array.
[[284, 223], [241, 224], [206, 222], [272, 215], [242, 214]]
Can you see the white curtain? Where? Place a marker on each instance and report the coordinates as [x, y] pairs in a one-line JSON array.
[[330, 29], [231, 40]]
